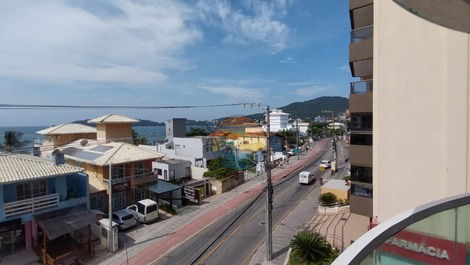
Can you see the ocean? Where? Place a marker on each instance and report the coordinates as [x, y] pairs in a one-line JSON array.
[[152, 133]]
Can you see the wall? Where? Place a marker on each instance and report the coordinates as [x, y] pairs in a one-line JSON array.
[[221, 186], [198, 172], [421, 111], [63, 139], [121, 132]]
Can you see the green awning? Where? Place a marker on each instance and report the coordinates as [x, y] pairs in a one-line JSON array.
[[162, 186]]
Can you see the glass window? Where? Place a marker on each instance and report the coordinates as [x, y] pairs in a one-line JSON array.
[[159, 172], [96, 201], [361, 190], [361, 121], [361, 139], [139, 169], [152, 208], [31, 190], [117, 171], [361, 174]]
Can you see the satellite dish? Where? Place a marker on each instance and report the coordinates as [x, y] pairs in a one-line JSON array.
[[84, 142]]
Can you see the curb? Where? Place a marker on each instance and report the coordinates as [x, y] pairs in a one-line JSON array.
[[286, 261]]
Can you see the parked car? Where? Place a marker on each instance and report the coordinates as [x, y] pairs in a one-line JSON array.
[[124, 218], [325, 163], [145, 211], [306, 177]]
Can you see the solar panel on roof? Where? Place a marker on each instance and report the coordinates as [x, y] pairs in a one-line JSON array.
[[87, 155], [101, 148], [71, 151]]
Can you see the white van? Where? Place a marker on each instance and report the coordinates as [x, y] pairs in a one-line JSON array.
[[145, 211], [306, 177]]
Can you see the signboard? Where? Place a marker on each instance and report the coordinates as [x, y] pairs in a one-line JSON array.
[[192, 195], [425, 249]]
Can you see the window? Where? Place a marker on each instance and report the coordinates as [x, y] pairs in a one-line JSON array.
[[172, 174], [152, 208], [361, 121], [31, 190], [96, 201], [361, 174], [361, 190], [117, 172], [188, 172], [141, 208], [137, 195], [159, 172], [165, 175], [361, 139], [139, 169]]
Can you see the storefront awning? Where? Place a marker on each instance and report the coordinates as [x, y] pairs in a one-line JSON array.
[[64, 221], [162, 186]]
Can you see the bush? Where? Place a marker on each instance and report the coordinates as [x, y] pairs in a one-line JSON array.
[[327, 198], [311, 248]]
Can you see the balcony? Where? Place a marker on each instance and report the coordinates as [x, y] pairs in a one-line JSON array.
[[360, 155], [31, 205], [360, 99], [361, 13], [360, 205], [138, 175], [362, 68]]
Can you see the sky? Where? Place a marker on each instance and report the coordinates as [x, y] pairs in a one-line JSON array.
[[168, 52]]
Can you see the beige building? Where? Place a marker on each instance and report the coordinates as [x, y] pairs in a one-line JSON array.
[[63, 134], [419, 109], [114, 127]]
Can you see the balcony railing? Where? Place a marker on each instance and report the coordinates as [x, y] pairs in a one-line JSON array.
[[360, 87], [122, 179], [31, 205], [361, 34]]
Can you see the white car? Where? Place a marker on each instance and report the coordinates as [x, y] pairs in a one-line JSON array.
[[146, 211], [306, 177], [325, 163], [124, 218]]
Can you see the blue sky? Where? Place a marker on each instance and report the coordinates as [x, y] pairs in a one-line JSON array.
[[168, 52]]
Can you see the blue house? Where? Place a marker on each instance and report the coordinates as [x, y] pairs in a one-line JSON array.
[[31, 189]]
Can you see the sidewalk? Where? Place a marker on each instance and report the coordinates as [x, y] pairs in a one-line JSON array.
[[298, 219], [148, 243]]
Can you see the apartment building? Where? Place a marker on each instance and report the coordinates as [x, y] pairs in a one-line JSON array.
[[409, 106], [360, 105]]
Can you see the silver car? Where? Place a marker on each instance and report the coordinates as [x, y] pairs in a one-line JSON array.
[[124, 218]]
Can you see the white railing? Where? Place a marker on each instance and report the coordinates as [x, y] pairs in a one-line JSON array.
[[31, 205]]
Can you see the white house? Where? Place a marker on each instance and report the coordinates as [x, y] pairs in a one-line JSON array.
[[172, 169], [279, 121]]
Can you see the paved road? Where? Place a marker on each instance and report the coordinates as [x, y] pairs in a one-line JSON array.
[[240, 232]]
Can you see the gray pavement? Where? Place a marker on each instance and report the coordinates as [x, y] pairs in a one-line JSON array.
[[236, 243]]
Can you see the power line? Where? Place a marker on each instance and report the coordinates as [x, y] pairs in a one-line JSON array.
[[46, 106]]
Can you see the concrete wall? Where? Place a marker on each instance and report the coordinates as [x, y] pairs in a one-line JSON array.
[[52, 141], [421, 111], [221, 186]]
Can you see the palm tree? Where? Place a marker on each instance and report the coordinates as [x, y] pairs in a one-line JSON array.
[[12, 140], [311, 248], [138, 139]]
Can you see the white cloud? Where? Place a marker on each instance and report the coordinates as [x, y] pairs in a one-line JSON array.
[[310, 91], [235, 92], [288, 60], [262, 26], [117, 41]]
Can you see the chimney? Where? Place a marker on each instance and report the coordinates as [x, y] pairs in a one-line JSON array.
[[58, 157]]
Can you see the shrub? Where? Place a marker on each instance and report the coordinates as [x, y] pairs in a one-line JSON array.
[[327, 198], [311, 248]]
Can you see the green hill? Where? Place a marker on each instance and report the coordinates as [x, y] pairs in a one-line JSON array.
[[312, 108]]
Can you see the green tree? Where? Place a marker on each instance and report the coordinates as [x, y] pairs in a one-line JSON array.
[[197, 132], [12, 140], [138, 139], [317, 129], [218, 169], [311, 248], [327, 198]]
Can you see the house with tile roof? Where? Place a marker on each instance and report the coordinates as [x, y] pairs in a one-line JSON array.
[[114, 127], [128, 166], [33, 187], [65, 133]]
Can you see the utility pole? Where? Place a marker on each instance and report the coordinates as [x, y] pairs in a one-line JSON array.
[[110, 210], [334, 136], [297, 138], [269, 191]]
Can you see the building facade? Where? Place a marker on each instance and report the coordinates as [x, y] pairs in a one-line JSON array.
[[417, 112], [31, 187]]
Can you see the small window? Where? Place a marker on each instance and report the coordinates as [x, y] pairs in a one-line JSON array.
[[139, 169], [152, 208], [141, 208], [159, 172], [127, 217]]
